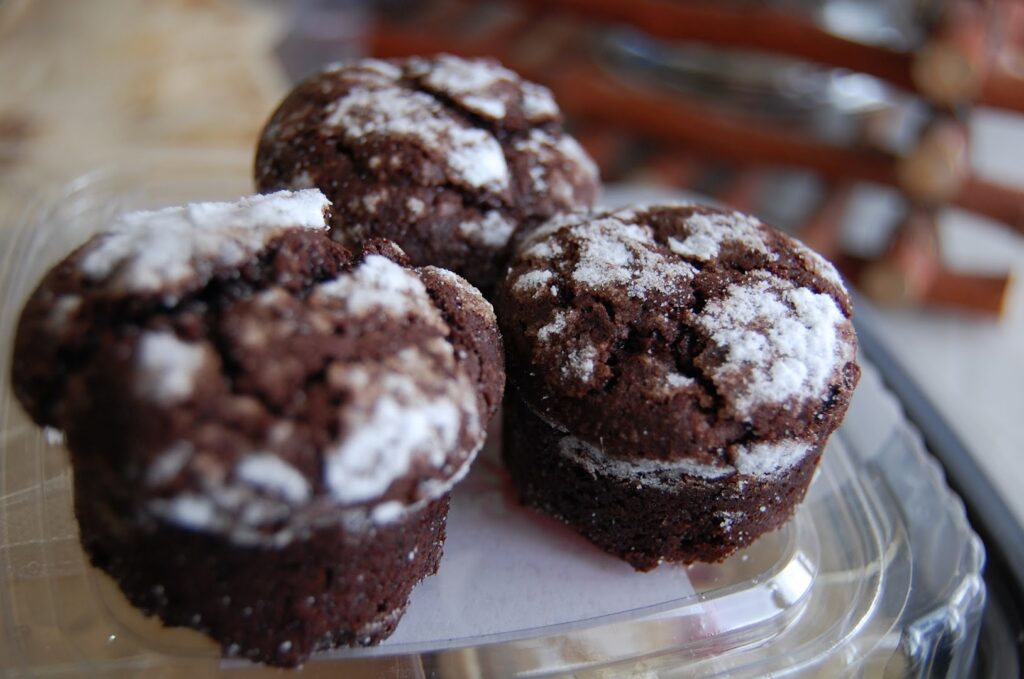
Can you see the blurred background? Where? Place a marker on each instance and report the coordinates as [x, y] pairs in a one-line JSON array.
[[888, 134]]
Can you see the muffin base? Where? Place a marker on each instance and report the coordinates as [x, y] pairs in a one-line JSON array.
[[275, 605], [646, 519]]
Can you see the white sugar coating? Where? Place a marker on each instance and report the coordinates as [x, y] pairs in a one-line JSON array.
[[269, 472], [388, 512], [538, 142], [374, 198], [467, 81], [166, 367], [780, 342], [375, 66], [770, 458], [646, 472], [302, 180], [545, 249], [255, 511], [457, 75], [763, 460], [538, 104], [415, 206], [231, 510], [581, 364], [538, 177], [616, 254], [819, 265], [378, 284], [169, 463], [187, 510], [552, 329], [486, 106], [448, 275], [63, 309], [392, 423], [492, 231], [474, 156], [379, 66], [472, 296], [571, 149], [541, 236], [153, 250], [532, 281], [727, 519], [676, 381], [708, 232], [544, 151], [603, 261]]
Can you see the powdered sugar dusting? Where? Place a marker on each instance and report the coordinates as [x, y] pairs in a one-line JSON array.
[[301, 180], [378, 284], [569, 148], [403, 413], [392, 422], [382, 67], [166, 367], [726, 519], [486, 106], [152, 251], [469, 296], [818, 264], [615, 254], [762, 460], [541, 235], [492, 231], [654, 473], [677, 381], [553, 329], [169, 463], [546, 155], [468, 81], [388, 512], [706, 233], [532, 281], [474, 156], [238, 510], [779, 341], [612, 256], [542, 250], [64, 308], [373, 199], [377, 67], [410, 414], [582, 363], [269, 472], [538, 104], [188, 510], [415, 206], [768, 459]]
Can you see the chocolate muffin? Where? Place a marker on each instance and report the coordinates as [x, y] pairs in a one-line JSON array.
[[264, 428], [676, 371], [448, 157]]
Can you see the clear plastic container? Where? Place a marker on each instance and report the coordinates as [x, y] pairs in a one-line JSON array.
[[879, 573]]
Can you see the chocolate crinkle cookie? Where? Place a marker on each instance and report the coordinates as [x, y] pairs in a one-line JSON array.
[[446, 156], [263, 427], [677, 371]]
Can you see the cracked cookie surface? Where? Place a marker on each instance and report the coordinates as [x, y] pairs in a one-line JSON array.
[[448, 157], [676, 371], [677, 332], [244, 373], [264, 427]]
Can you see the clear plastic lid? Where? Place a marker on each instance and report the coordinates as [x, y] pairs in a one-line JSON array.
[[878, 574]]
